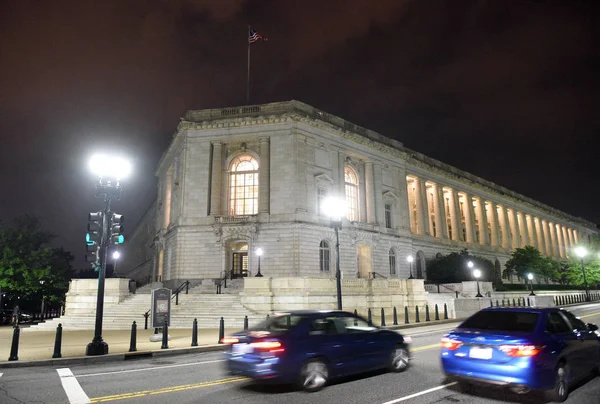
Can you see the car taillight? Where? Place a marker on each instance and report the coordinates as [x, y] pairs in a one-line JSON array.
[[229, 340], [521, 350], [267, 346], [451, 344]]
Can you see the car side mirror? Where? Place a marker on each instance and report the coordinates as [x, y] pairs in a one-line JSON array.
[[592, 327]]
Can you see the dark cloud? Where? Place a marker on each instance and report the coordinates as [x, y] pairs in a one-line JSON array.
[[504, 89]]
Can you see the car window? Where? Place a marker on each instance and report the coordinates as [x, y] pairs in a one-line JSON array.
[[575, 322], [326, 326], [516, 321], [557, 324], [355, 324], [279, 323]]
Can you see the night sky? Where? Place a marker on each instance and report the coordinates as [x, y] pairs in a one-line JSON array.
[[506, 90]]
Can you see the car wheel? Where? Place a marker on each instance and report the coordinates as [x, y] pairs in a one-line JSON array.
[[313, 375], [399, 359], [560, 392]]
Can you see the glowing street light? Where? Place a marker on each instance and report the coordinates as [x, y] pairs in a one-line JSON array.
[[410, 260], [477, 274], [116, 255], [530, 277], [470, 264], [110, 167], [581, 253], [335, 209], [259, 252]]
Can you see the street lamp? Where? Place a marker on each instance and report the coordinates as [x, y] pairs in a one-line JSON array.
[[470, 264], [477, 274], [581, 253], [530, 277], [42, 313], [116, 255], [335, 209], [109, 170], [259, 252], [410, 260]]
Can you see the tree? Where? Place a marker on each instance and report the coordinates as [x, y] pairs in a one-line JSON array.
[[452, 268], [26, 259], [529, 260], [591, 263]]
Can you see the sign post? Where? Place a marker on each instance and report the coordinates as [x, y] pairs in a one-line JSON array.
[[160, 309]]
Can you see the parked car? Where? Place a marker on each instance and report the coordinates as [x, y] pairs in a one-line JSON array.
[[311, 347], [522, 348]]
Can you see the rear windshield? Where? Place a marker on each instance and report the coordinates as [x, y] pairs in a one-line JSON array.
[[279, 323], [515, 321]]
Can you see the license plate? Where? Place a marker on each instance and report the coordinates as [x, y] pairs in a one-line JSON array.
[[480, 353], [241, 348]]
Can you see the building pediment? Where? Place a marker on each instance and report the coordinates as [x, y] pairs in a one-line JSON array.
[[323, 177]]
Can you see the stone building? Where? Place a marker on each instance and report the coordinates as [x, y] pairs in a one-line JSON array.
[[237, 179]]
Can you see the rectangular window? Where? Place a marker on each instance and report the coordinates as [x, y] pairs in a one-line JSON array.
[[352, 201], [392, 264], [388, 216], [509, 321], [321, 195]]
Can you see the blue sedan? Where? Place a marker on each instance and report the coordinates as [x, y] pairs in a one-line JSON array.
[[311, 347], [522, 348]]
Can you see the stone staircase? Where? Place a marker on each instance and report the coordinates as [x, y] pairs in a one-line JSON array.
[[206, 308]]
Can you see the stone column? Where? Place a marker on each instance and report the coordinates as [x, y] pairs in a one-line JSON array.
[[482, 218], [547, 242], [370, 192], [576, 236], [571, 239], [341, 176], [523, 227], [565, 238], [469, 213], [540, 235], [421, 202], [494, 225], [411, 198], [503, 220], [514, 228], [560, 241], [216, 181], [553, 239], [168, 187], [402, 219], [264, 176], [455, 219], [440, 212], [531, 231]]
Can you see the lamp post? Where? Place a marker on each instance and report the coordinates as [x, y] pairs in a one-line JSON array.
[[115, 255], [477, 274], [42, 313], [109, 170], [410, 260], [530, 277], [581, 253], [259, 252], [336, 209]]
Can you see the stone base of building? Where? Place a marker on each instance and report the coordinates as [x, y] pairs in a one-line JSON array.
[[83, 294]]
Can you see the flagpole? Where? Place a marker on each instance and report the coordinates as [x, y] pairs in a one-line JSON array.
[[248, 71]]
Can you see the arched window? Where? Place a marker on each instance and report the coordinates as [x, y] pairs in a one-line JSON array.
[[392, 260], [324, 256], [243, 186], [351, 182]]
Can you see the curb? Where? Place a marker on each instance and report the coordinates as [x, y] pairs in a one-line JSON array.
[[423, 324]]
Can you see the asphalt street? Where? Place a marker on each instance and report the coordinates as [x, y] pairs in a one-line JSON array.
[[200, 378]]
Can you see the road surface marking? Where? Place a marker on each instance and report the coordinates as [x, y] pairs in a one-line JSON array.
[[424, 347], [71, 386], [152, 368], [420, 393], [591, 314], [1, 374], [167, 390]]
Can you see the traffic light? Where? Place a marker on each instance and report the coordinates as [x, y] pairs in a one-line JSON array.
[[116, 230], [93, 256], [94, 235]]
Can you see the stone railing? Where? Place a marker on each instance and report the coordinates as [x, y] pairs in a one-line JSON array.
[[235, 219]]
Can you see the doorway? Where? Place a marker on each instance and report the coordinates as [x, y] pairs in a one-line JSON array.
[[239, 260]]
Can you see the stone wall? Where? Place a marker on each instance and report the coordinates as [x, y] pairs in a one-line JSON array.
[[82, 294]]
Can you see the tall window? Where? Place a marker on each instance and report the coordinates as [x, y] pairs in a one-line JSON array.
[[351, 181], [392, 260], [321, 196], [243, 186], [388, 215], [324, 256]]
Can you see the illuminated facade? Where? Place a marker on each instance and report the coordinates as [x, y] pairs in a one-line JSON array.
[[236, 179]]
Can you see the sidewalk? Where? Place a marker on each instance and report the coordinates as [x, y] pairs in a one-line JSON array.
[[37, 347]]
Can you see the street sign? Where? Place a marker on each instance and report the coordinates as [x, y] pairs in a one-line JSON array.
[[160, 307]]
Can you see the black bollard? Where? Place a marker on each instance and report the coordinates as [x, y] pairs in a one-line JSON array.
[[514, 302], [165, 337], [146, 315], [222, 329], [497, 304], [355, 313], [491, 303], [395, 316], [406, 315], [195, 332], [528, 302], [445, 311], [382, 317], [369, 316], [502, 302], [57, 342], [14, 348], [427, 313], [133, 340], [437, 312], [417, 314], [245, 323]]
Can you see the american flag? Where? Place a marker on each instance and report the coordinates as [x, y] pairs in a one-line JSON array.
[[254, 36]]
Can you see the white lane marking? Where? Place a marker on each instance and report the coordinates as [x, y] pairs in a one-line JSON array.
[[420, 393], [152, 368], [1, 374], [428, 332], [71, 386]]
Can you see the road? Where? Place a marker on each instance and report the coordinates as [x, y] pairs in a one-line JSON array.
[[200, 378]]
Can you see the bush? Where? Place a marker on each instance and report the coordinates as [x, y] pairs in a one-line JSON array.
[[452, 268]]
